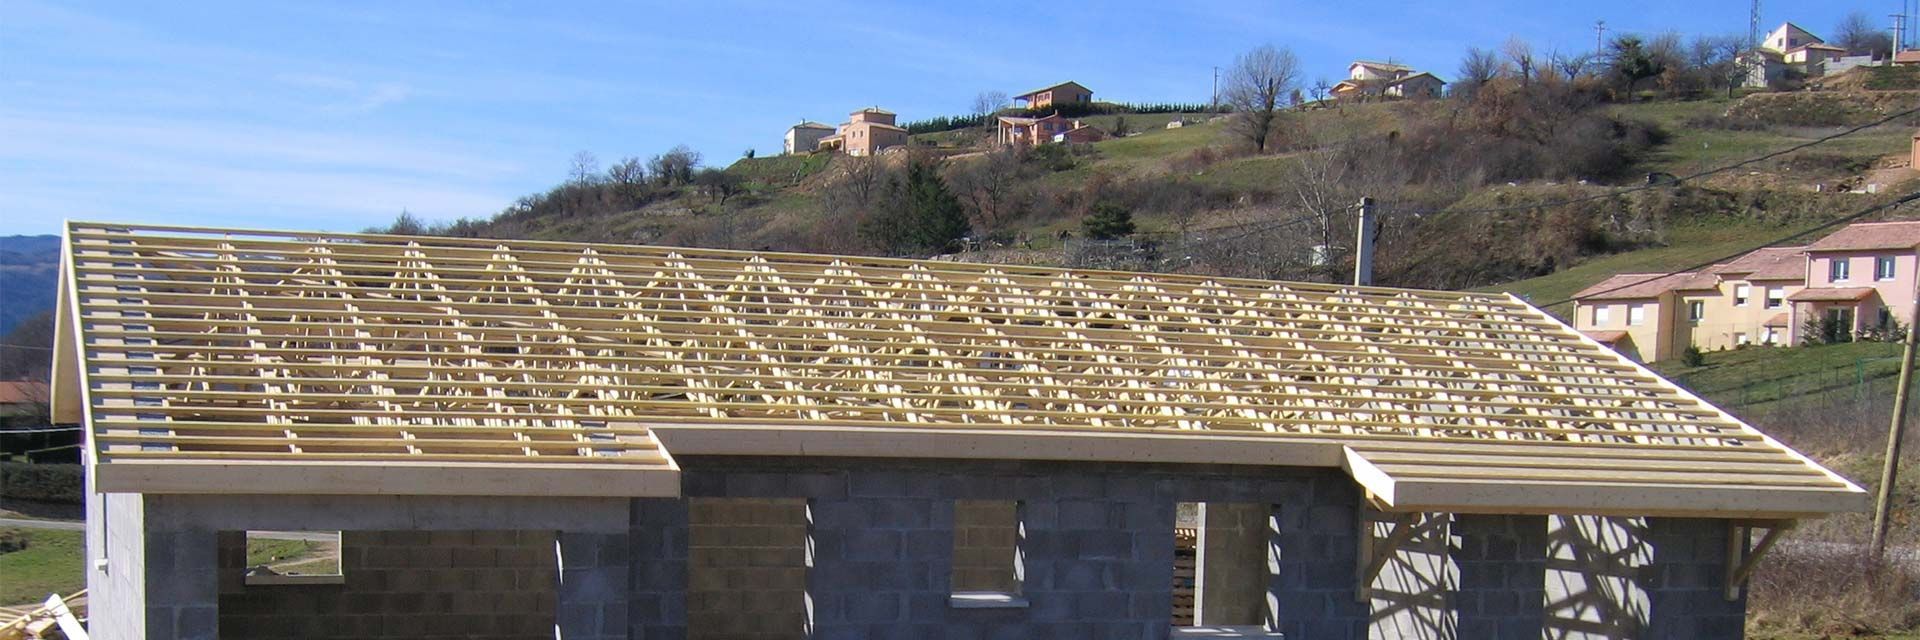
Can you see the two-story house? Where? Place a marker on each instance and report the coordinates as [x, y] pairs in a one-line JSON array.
[[1860, 277], [1068, 92], [1368, 79], [1749, 306], [867, 131], [1642, 315]]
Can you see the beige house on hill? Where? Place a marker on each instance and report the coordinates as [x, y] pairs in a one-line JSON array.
[[867, 131], [806, 136], [1366, 79], [1749, 307], [1640, 315], [1064, 93]]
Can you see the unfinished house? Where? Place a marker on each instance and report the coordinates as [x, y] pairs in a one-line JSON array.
[[521, 439]]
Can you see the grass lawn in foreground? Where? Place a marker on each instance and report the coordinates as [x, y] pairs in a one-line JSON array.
[[51, 563]]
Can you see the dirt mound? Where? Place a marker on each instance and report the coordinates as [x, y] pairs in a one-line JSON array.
[[1822, 108]]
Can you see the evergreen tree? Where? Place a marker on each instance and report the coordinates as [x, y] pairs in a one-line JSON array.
[[924, 218], [1108, 221]]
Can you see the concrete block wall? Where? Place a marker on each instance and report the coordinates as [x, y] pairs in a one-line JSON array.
[[1232, 563], [747, 567], [1097, 554], [1502, 564], [1412, 597], [1596, 568], [403, 584], [1686, 582], [984, 537]]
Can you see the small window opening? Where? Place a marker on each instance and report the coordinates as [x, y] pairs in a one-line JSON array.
[[1221, 569], [293, 557], [987, 564]]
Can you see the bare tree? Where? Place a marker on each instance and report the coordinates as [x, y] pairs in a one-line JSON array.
[[1571, 65], [1479, 67], [585, 168], [627, 172], [1521, 59], [1858, 36], [1257, 86], [987, 103], [989, 185], [675, 167], [1320, 89]]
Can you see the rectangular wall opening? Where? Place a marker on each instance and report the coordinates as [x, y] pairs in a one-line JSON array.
[[1221, 567], [746, 568], [986, 553], [293, 557], [388, 584]]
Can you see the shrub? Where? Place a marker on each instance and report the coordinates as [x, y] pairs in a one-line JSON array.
[[1693, 356], [42, 482], [12, 540], [1108, 221], [1051, 157], [1833, 590]]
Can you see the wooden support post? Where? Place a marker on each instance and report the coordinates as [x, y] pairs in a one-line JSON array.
[[1374, 557], [1890, 468], [1740, 561]]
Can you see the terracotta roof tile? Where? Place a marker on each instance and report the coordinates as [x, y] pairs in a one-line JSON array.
[[1635, 286], [1832, 294], [1871, 236], [1772, 263]]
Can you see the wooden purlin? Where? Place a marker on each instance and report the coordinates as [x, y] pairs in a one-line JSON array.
[[267, 345]]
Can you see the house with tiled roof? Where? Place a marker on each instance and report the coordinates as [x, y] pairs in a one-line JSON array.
[[1749, 306], [1368, 79], [1859, 278], [1068, 92], [1641, 315], [805, 137], [867, 131]]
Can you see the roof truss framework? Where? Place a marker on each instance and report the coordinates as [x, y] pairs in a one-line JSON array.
[[220, 348]]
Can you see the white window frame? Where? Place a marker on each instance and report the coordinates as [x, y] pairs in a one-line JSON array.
[[1776, 297], [1636, 315], [1602, 314], [1741, 294], [1885, 268], [1839, 269], [1696, 310]]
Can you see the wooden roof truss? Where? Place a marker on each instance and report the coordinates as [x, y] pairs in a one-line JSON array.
[[205, 347]]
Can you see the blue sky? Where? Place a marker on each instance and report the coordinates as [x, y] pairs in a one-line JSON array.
[[338, 115]]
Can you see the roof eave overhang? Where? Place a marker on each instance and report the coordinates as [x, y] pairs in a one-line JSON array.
[[387, 478]]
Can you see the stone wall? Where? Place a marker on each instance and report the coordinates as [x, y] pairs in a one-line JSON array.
[[402, 584]]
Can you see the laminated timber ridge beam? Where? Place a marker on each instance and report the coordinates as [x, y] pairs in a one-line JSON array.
[[323, 358]]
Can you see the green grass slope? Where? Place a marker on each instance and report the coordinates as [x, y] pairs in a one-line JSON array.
[[51, 563]]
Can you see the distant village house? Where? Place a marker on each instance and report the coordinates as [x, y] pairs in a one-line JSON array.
[[806, 136], [1789, 49], [867, 131], [1064, 93], [1366, 79]]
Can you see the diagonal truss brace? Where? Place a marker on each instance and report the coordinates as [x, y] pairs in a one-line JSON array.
[[1374, 556], [1741, 560]]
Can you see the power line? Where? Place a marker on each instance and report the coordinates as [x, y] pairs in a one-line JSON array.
[[8, 432], [9, 345], [1681, 179], [1910, 197]]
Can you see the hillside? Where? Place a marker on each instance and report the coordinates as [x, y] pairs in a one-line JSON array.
[[29, 270]]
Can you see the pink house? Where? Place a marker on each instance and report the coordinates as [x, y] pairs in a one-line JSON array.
[[1859, 278]]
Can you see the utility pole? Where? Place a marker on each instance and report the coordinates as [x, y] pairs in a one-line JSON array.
[[1753, 26], [1363, 246], [1599, 36], [1890, 469], [1899, 31], [1216, 89]]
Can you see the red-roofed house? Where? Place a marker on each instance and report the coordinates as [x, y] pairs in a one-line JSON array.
[[1647, 307], [1860, 277], [1063, 93], [1751, 302], [867, 131], [1050, 128]]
